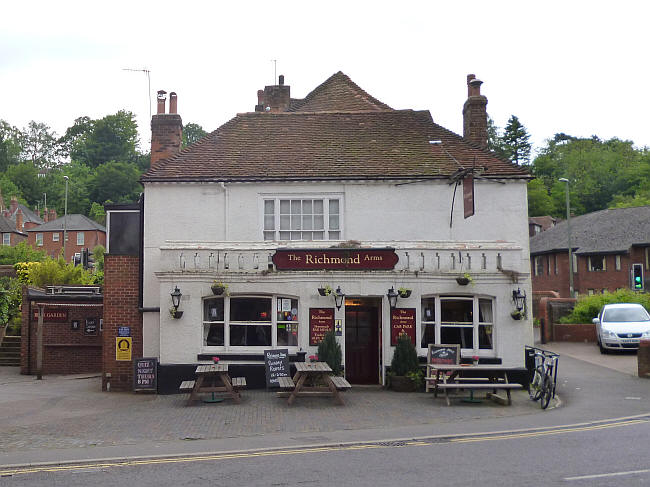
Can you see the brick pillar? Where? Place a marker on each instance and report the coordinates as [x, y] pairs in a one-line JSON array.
[[643, 358], [475, 113], [121, 299]]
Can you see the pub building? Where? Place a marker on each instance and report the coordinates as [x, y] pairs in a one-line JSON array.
[[329, 212]]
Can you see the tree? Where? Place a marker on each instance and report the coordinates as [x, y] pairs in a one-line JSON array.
[[97, 213], [9, 145], [115, 181], [495, 142], [25, 176], [112, 138], [540, 202], [75, 136], [50, 272], [22, 252], [192, 132], [516, 141], [39, 145]]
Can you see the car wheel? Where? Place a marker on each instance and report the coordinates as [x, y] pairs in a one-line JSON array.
[[603, 350]]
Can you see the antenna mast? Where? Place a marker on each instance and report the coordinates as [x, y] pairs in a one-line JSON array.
[[148, 73], [275, 69]]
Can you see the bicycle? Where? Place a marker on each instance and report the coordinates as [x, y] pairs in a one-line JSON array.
[[542, 385]]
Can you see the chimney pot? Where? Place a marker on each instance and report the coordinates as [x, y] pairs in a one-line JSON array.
[[281, 79], [475, 87], [161, 102], [173, 100]]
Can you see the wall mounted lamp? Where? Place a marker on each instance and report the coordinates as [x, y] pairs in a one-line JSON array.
[[338, 297], [176, 297], [392, 297], [519, 299]]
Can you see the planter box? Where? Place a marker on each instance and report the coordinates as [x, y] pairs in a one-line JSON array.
[[400, 383]]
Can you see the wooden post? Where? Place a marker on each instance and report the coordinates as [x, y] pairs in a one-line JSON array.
[[39, 342]]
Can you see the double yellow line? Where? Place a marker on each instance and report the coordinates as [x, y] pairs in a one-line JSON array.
[[297, 451]]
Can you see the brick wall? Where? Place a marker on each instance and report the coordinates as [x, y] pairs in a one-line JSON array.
[[121, 300], [166, 136], [574, 332], [550, 311], [92, 238], [65, 350]]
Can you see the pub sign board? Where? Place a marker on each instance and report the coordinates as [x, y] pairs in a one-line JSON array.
[[52, 315], [402, 322], [145, 374], [276, 364], [335, 259], [443, 354], [91, 326], [321, 320]]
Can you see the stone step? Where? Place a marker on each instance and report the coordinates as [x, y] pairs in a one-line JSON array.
[[9, 353], [12, 346], [5, 362]]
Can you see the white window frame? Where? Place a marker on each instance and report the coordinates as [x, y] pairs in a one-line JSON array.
[[465, 352], [617, 262], [55, 237], [39, 239], [6, 239], [590, 263], [227, 322], [80, 241], [538, 265], [302, 196]]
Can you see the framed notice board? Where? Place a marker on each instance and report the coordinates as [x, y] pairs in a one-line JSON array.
[[276, 363], [443, 354], [145, 374], [321, 320]]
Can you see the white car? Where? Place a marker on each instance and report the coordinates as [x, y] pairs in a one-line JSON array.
[[621, 326]]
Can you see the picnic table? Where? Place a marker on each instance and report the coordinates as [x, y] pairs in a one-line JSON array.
[[313, 379], [211, 378], [472, 377]]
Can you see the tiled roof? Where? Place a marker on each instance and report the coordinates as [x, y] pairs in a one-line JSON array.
[[385, 144], [337, 93], [28, 215], [75, 222], [613, 230], [7, 226]]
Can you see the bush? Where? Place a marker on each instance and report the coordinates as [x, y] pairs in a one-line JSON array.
[[330, 351], [587, 307], [405, 358]]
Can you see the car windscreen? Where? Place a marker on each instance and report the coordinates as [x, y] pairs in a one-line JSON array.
[[625, 314]]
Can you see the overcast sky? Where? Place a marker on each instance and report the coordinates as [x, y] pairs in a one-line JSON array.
[[579, 67]]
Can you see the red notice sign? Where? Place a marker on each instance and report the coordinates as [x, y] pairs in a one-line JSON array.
[[335, 259], [402, 322], [321, 320], [52, 314]]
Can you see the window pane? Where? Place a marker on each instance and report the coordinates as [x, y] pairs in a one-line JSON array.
[[269, 222], [284, 235], [295, 222], [269, 207], [334, 207], [296, 236], [295, 207], [80, 238], [307, 236], [318, 235], [318, 207], [456, 311], [213, 309], [285, 222], [287, 309], [250, 309], [485, 337], [306, 207], [335, 235], [428, 309], [55, 237], [319, 222], [306, 222], [485, 310], [428, 334], [334, 222], [288, 334], [250, 335], [269, 235], [215, 335], [463, 335], [284, 207]]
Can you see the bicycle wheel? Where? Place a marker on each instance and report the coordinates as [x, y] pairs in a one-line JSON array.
[[547, 391], [535, 387]]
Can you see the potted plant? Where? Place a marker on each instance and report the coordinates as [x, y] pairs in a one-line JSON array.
[[465, 279], [404, 292], [329, 351], [175, 313], [325, 290], [517, 314], [218, 287], [404, 367]]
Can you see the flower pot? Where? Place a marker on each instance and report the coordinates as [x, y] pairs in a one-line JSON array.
[[177, 314], [517, 315], [405, 294], [462, 280], [217, 290], [322, 291], [401, 383]]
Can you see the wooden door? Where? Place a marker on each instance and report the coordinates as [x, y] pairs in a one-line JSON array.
[[362, 344]]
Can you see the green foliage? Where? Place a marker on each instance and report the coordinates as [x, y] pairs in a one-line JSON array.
[[330, 351], [540, 202], [25, 176], [10, 299], [9, 146], [39, 145], [417, 377], [192, 132], [495, 142], [115, 181], [22, 252], [587, 307], [97, 213], [98, 256], [516, 141], [52, 272], [405, 358]]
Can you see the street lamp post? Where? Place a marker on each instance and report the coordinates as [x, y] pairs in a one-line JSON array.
[[568, 230], [65, 217]]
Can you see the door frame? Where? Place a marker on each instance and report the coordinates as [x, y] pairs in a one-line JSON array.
[[376, 302]]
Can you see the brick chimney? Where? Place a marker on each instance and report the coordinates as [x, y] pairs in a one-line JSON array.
[[475, 113], [13, 206], [166, 129], [274, 98], [52, 215], [19, 220]]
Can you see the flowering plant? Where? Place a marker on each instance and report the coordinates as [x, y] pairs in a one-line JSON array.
[[313, 358], [215, 360], [475, 359]]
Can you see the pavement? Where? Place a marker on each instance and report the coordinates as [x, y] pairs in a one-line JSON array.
[[63, 418]]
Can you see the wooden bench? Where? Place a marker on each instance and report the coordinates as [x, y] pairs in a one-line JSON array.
[[480, 386], [186, 386], [238, 382], [286, 383], [340, 382]]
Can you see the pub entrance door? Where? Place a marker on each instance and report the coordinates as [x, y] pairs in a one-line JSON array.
[[362, 332]]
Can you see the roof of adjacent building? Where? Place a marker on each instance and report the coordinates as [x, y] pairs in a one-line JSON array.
[[7, 226], [75, 222], [28, 215], [605, 231], [336, 132]]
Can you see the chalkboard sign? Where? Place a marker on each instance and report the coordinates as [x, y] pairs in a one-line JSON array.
[[276, 363], [91, 326], [443, 354], [145, 374]]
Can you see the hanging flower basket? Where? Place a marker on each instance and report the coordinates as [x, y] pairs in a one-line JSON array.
[[174, 313], [325, 291], [218, 288], [462, 280], [404, 293], [517, 315]]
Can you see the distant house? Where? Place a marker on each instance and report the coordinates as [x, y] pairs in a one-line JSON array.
[[10, 236], [606, 244], [538, 224], [82, 233], [23, 217]]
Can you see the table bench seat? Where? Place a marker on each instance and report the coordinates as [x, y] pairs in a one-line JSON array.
[[286, 383], [340, 383], [186, 386], [491, 385]]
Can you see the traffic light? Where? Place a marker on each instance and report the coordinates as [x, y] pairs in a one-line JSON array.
[[87, 260], [637, 277], [76, 259]]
